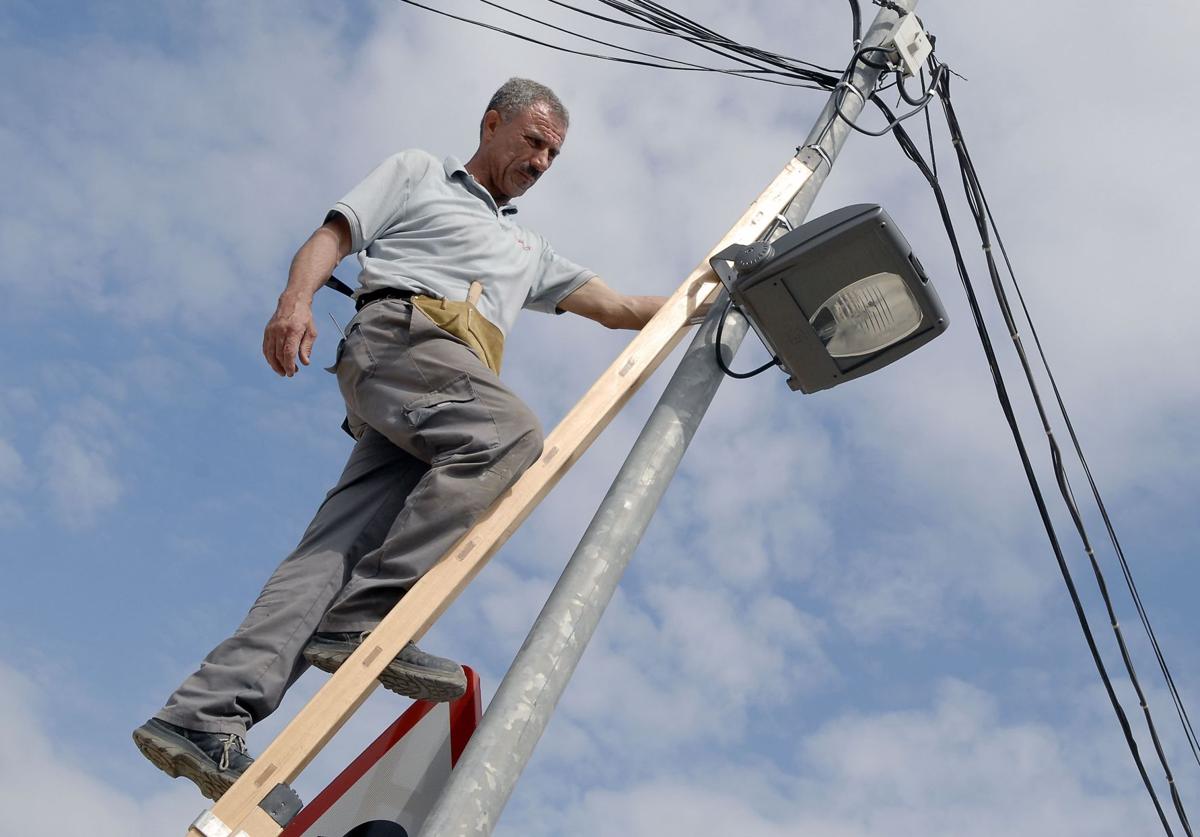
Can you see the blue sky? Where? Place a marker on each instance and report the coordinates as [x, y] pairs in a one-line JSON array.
[[845, 619]]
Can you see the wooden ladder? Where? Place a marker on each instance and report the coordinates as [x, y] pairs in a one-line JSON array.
[[239, 812]]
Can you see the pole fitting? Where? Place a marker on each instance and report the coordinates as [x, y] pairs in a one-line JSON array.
[[848, 86], [817, 148]]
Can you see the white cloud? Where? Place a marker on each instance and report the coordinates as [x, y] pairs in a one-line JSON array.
[[955, 768], [45, 787], [744, 651], [80, 474]]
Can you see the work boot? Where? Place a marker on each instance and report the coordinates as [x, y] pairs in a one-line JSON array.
[[212, 760], [413, 673]]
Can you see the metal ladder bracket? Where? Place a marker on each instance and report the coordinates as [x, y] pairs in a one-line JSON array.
[[281, 804], [210, 826]]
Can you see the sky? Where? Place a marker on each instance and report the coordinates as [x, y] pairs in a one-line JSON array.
[[845, 619]]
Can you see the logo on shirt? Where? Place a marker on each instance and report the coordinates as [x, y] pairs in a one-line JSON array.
[[521, 242]]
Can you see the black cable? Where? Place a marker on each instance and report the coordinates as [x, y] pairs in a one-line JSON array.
[[677, 25], [904, 94], [919, 104], [914, 154], [1180, 709], [970, 179], [791, 63], [774, 361], [598, 41], [666, 22], [810, 80], [929, 131], [976, 199], [856, 13]]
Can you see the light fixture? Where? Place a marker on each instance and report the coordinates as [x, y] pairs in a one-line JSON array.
[[836, 298]]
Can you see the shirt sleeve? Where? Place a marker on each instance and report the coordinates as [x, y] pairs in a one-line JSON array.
[[378, 202], [557, 279]]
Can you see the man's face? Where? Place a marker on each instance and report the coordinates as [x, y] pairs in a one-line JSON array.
[[516, 153]]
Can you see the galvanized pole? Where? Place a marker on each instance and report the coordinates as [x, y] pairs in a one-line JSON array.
[[489, 768]]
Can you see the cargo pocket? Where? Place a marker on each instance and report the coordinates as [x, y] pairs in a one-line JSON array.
[[452, 420]]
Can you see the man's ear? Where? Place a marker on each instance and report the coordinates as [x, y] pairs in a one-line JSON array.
[[491, 121]]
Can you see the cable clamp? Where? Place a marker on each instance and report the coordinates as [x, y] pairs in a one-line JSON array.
[[848, 86], [821, 151], [781, 218]]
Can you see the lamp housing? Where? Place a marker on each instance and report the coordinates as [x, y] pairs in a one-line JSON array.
[[836, 298]]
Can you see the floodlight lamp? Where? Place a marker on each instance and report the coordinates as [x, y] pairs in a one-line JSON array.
[[836, 298]]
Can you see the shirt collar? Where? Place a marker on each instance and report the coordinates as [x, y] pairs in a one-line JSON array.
[[454, 167]]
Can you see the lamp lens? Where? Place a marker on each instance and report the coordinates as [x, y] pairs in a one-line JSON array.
[[867, 316]]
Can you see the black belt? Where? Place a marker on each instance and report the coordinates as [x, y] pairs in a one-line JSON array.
[[381, 294]]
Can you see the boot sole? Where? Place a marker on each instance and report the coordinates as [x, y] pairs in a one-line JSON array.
[[405, 680], [184, 759]]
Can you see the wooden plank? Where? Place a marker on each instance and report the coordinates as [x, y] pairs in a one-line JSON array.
[[345, 691], [258, 822]]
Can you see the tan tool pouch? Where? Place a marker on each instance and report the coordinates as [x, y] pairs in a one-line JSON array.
[[465, 322]]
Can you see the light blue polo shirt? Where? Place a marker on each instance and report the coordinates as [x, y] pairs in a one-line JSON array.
[[429, 227]]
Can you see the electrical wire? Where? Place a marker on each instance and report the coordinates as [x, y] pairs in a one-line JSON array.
[[856, 14], [717, 346], [618, 59], [667, 22], [919, 104], [978, 205], [704, 37], [971, 183], [929, 131], [683, 64], [757, 64], [1006, 406], [1180, 709]]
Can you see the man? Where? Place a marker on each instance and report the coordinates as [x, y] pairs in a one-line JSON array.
[[445, 271]]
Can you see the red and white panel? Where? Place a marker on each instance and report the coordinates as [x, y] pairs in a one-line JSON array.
[[389, 789]]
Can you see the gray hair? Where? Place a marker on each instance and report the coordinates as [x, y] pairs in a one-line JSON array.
[[518, 94]]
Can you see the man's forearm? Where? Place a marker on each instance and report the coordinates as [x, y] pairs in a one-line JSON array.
[[597, 301], [291, 332], [635, 311], [312, 265]]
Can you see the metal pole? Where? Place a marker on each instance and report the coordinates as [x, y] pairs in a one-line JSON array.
[[503, 743]]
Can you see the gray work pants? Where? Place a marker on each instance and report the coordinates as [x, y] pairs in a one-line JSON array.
[[439, 439]]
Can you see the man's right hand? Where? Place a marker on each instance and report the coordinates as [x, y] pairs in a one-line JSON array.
[[289, 335], [291, 332]]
